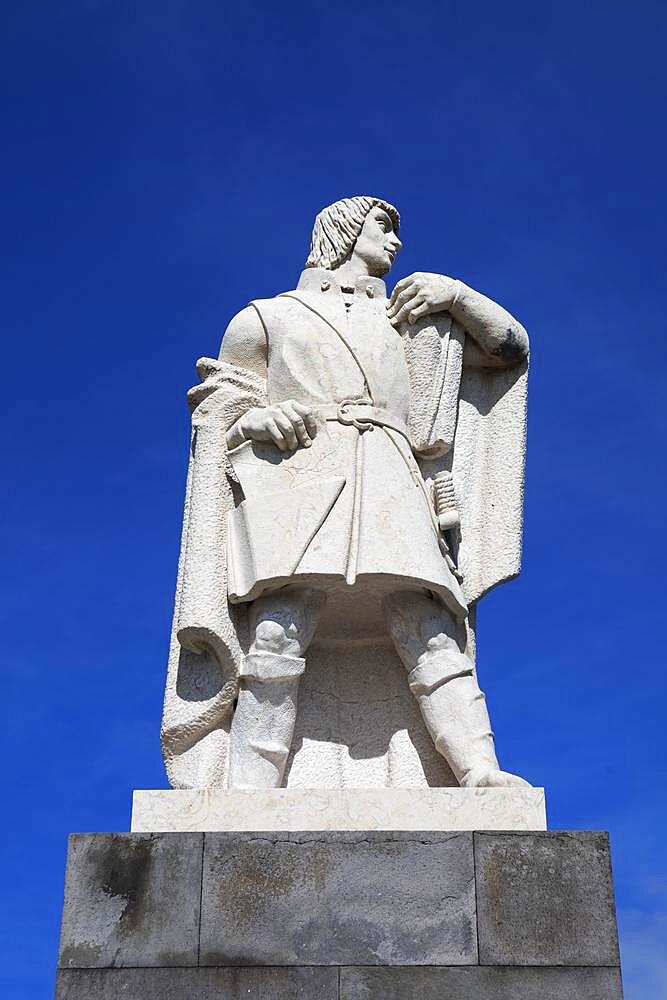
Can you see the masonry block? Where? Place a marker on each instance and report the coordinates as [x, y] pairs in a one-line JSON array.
[[338, 899], [131, 900], [545, 899], [479, 983], [198, 984]]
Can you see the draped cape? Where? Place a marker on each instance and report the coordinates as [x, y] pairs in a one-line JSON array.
[[472, 421]]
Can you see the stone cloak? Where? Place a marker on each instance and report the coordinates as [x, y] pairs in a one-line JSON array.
[[471, 421], [207, 633]]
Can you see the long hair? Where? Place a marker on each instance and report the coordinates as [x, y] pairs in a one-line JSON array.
[[337, 227]]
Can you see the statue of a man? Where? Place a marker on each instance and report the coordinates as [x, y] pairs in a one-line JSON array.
[[333, 446]]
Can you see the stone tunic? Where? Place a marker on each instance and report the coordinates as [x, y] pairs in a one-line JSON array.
[[353, 506]]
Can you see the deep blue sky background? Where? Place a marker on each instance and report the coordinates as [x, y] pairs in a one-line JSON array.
[[162, 164]]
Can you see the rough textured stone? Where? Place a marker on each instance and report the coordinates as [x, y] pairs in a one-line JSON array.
[[300, 809], [338, 899], [131, 900], [487, 983], [545, 899], [198, 984]]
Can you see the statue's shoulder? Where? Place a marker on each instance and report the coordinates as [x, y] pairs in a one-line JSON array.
[[277, 305], [279, 301], [244, 342]]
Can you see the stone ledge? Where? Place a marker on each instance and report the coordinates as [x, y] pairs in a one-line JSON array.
[[198, 984], [479, 983], [360, 983], [354, 809]]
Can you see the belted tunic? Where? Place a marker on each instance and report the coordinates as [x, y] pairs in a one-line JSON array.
[[354, 506]]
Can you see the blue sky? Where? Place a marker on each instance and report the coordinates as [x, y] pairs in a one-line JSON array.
[[162, 164]]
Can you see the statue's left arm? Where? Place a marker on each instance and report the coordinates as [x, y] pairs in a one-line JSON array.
[[495, 338]]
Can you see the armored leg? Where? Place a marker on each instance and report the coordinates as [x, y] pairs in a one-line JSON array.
[[431, 643], [282, 625]]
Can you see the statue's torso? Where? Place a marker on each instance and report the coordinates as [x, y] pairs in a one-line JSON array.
[[353, 506], [319, 351]]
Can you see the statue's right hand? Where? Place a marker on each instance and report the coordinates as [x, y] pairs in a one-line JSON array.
[[289, 425]]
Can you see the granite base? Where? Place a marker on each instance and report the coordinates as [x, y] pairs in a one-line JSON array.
[[339, 916]]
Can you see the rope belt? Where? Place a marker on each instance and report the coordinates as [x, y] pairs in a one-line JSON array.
[[363, 416]]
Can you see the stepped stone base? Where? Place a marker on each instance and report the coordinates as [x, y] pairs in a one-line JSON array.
[[300, 809], [362, 983], [339, 916]]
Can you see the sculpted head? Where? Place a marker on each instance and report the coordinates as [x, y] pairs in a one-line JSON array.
[[363, 228]]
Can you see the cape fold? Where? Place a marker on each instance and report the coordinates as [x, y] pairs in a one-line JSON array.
[[471, 421], [207, 633]]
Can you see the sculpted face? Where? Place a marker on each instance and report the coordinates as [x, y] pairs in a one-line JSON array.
[[377, 243]]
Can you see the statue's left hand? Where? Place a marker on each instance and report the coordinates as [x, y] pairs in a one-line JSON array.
[[420, 294]]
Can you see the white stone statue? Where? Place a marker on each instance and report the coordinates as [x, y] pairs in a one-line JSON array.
[[356, 471]]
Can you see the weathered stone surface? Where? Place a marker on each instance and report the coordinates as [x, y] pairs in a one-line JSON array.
[[486, 983], [300, 809], [338, 899], [419, 518], [545, 899], [131, 900], [198, 984]]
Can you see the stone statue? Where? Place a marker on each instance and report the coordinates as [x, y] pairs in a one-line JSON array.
[[349, 452]]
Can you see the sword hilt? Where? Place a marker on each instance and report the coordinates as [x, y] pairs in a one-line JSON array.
[[444, 500]]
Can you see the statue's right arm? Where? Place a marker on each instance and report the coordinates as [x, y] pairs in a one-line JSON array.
[[289, 424], [244, 342]]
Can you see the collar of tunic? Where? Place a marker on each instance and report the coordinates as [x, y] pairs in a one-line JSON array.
[[318, 279]]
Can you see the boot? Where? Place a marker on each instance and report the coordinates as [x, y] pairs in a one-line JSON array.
[[455, 713], [263, 723]]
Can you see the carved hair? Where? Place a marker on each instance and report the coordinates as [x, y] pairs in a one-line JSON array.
[[337, 227]]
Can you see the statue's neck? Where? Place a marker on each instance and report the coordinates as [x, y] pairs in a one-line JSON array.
[[349, 271]]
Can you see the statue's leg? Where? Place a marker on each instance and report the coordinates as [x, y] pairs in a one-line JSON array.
[[282, 625], [431, 644]]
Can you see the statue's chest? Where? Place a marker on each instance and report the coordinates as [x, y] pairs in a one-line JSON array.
[[337, 352]]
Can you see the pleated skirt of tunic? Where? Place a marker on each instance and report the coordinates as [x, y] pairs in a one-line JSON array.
[[354, 506]]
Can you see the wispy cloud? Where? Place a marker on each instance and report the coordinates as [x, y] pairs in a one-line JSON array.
[[644, 954]]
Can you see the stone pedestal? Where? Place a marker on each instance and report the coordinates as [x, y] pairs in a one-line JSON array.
[[339, 916], [203, 810]]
